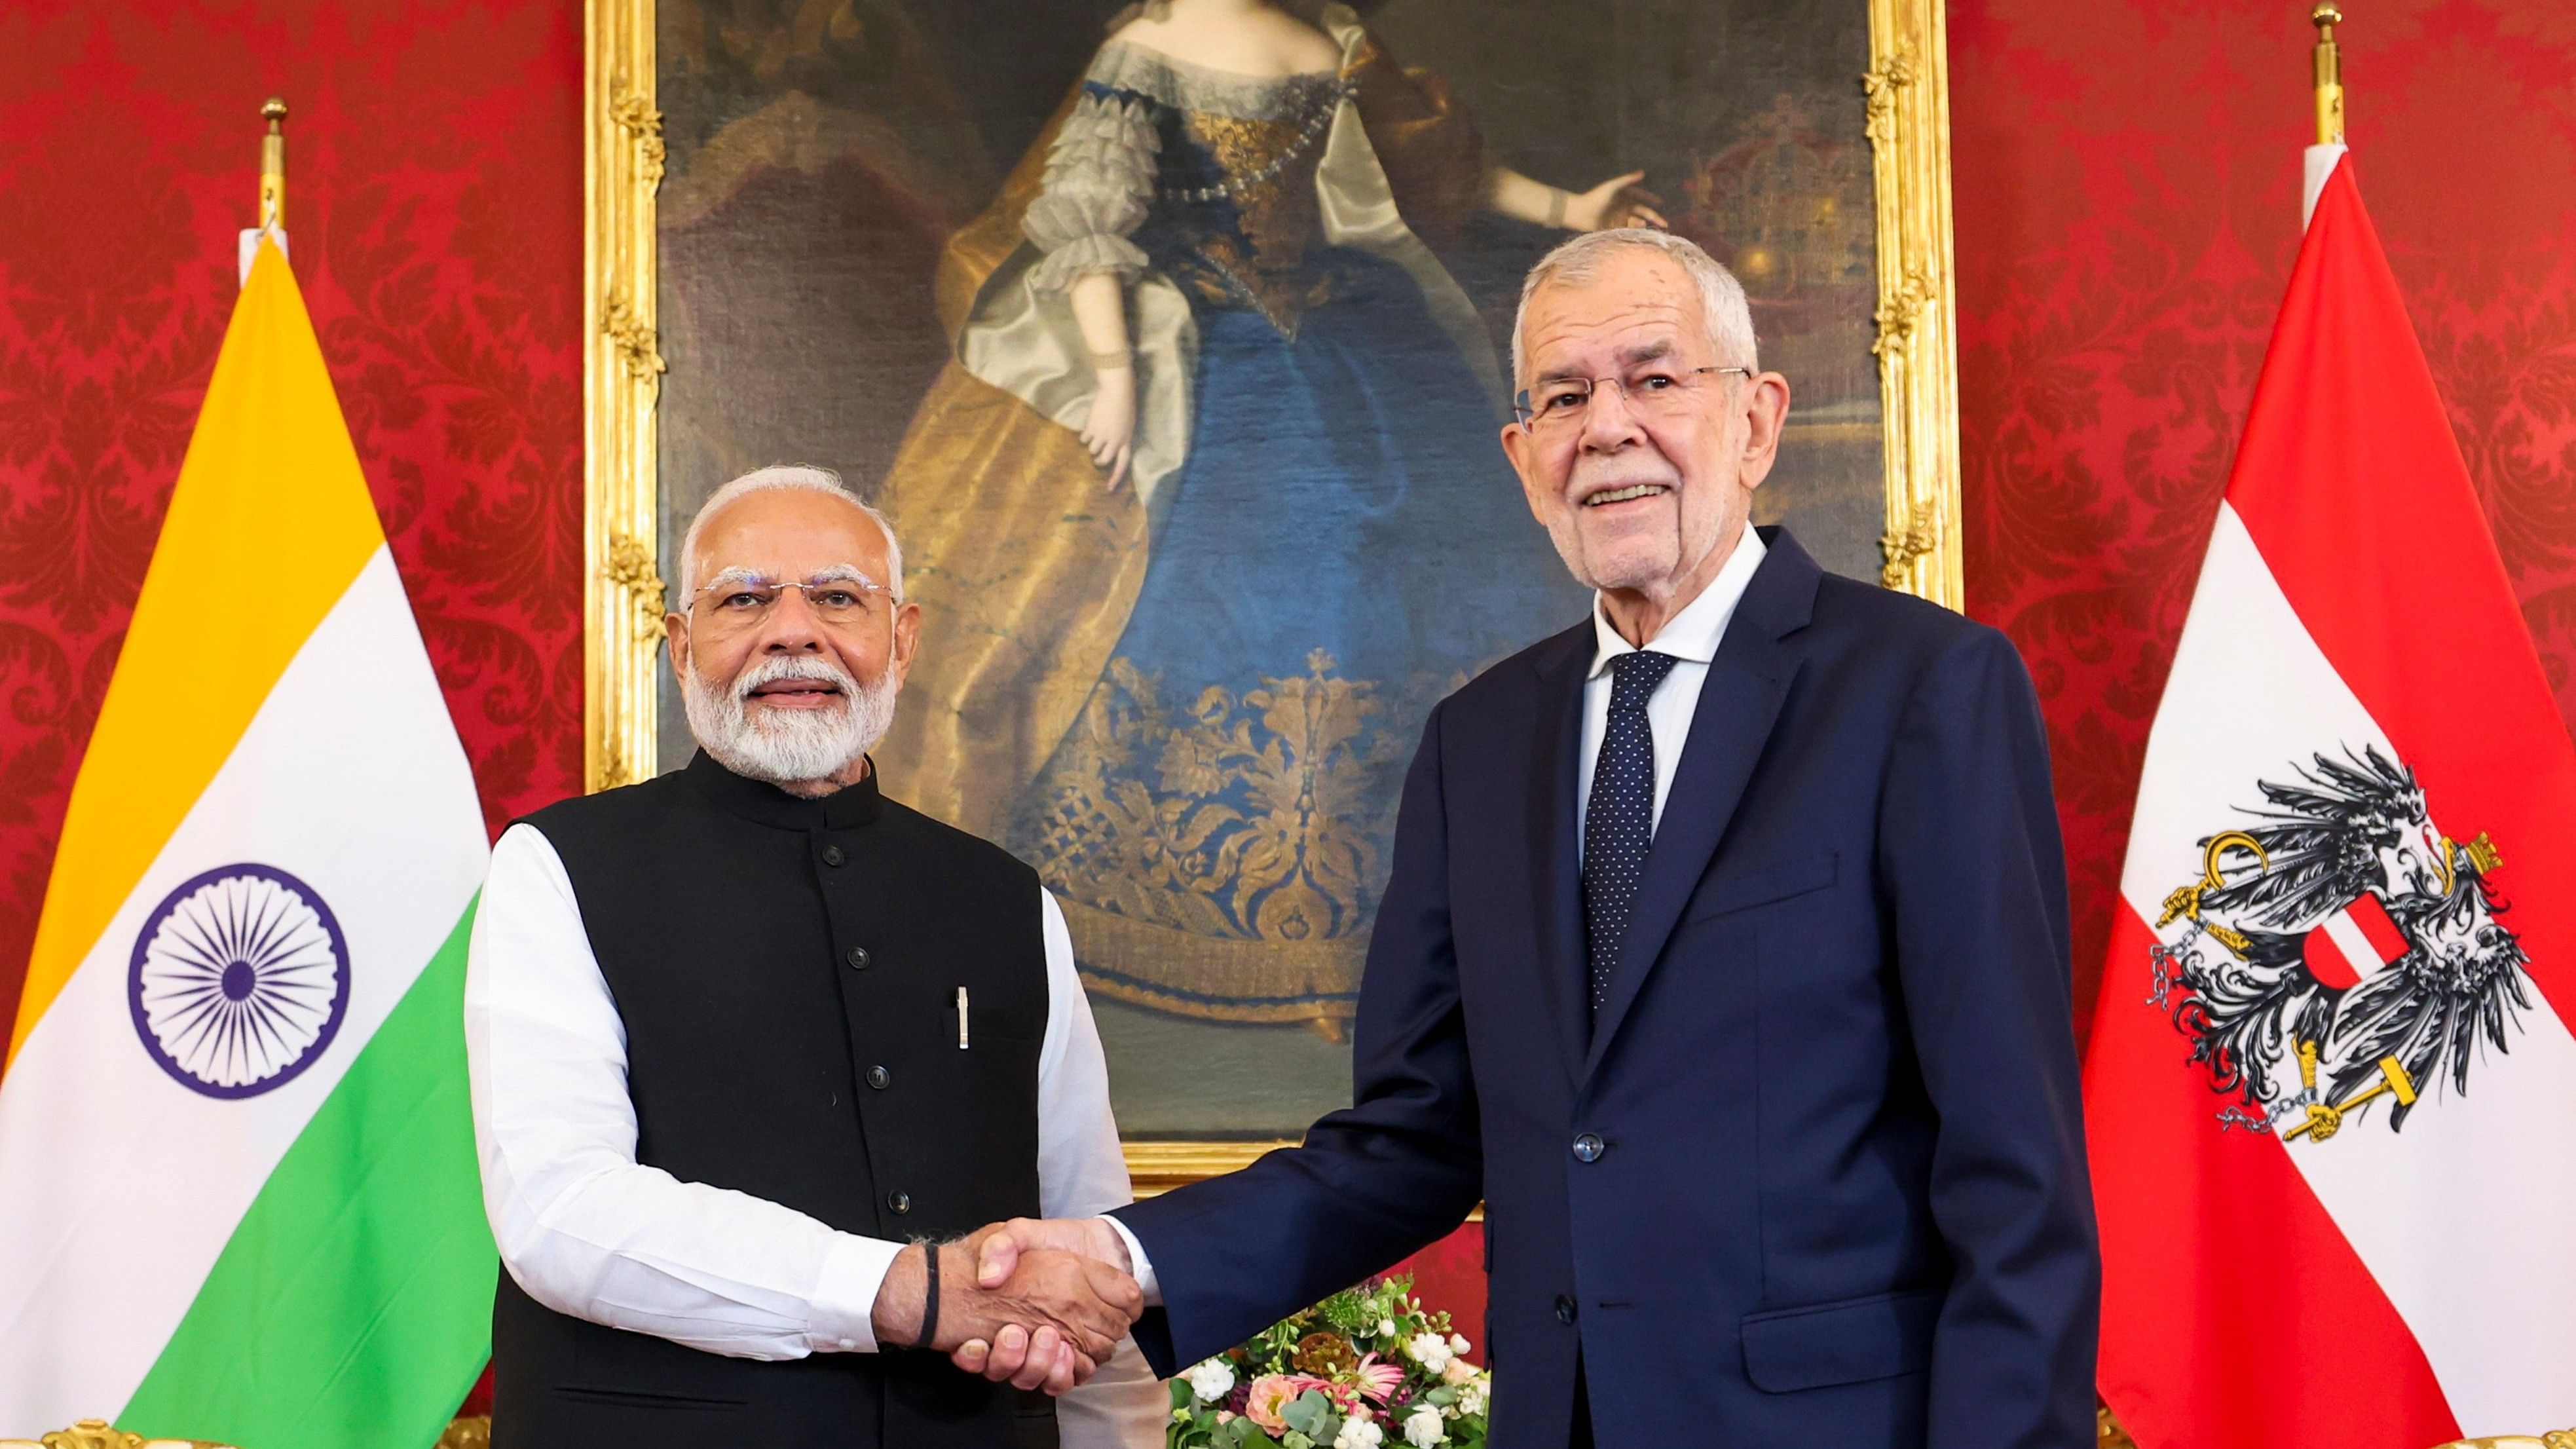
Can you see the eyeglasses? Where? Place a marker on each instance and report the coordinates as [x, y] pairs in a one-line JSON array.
[[1662, 393], [738, 599]]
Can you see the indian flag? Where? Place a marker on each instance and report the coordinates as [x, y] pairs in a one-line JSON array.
[[237, 1180]]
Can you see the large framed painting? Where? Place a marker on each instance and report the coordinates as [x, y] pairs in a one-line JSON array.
[[1173, 337]]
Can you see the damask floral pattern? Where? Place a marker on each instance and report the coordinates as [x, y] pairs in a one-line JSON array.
[[434, 210], [2127, 183]]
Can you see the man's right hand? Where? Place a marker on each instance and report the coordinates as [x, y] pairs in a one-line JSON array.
[[1058, 1314], [1005, 1251]]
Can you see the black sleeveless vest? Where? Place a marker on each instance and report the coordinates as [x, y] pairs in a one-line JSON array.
[[787, 971]]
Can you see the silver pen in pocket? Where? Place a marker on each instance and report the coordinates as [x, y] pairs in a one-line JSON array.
[[961, 1018]]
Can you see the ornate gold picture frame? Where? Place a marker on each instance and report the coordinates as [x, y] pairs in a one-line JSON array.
[[1905, 92]]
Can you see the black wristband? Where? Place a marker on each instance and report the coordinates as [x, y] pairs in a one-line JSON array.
[[929, 1295]]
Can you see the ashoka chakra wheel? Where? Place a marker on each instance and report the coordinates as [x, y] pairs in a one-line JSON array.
[[240, 979]]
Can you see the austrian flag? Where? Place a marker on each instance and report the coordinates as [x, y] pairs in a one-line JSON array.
[[2331, 1093]]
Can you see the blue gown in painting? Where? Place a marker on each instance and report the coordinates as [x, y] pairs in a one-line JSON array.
[[1334, 542]]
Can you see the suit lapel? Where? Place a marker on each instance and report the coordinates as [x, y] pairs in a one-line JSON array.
[[1740, 701], [1556, 893]]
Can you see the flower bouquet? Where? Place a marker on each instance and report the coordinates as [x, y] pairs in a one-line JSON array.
[[1365, 1368]]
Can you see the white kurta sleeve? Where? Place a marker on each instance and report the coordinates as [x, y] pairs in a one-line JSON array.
[[583, 1227], [1083, 1172]]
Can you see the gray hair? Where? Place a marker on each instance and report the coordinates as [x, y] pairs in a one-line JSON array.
[[1729, 316], [787, 475]]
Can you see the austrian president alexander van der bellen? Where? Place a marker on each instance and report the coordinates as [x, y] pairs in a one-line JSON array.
[[1724, 956]]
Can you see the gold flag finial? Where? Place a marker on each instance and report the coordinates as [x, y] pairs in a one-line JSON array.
[[2325, 17], [272, 166]]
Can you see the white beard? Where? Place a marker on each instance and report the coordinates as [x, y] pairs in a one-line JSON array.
[[789, 746]]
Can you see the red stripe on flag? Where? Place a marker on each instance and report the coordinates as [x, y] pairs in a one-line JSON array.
[[2381, 932], [2234, 1313], [2353, 489], [2326, 961]]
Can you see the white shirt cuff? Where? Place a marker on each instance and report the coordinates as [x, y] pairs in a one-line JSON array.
[[845, 1296], [1141, 1268]]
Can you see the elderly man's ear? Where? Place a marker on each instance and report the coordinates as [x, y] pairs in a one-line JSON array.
[[1766, 412], [907, 638], [675, 643]]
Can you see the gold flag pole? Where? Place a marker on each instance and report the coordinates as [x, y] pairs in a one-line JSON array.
[[272, 166], [2329, 73]]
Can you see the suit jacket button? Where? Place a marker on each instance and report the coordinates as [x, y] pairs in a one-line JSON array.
[[899, 1203], [859, 959], [879, 1078], [834, 855], [1588, 1148], [1564, 1309]]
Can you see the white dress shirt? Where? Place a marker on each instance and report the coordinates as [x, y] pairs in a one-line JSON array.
[[590, 1232], [1692, 637]]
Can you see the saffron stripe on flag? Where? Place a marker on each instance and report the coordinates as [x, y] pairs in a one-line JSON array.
[[2218, 1231], [369, 1232]]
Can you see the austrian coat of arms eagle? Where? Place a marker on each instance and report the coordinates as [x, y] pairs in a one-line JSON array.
[[2339, 953]]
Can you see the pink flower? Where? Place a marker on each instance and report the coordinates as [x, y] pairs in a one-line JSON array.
[[1377, 1380], [1270, 1394]]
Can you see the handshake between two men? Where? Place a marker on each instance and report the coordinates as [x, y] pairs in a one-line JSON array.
[[1039, 1304]]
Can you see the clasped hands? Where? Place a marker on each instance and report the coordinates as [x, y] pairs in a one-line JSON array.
[[1039, 1304]]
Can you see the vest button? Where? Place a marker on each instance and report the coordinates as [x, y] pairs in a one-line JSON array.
[[834, 855], [859, 960], [1564, 1309], [880, 1078], [899, 1203], [1588, 1148]]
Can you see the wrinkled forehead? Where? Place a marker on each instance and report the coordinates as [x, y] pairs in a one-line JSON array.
[[790, 534], [1627, 314]]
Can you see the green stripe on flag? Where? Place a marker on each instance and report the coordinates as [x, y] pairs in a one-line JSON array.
[[352, 1307]]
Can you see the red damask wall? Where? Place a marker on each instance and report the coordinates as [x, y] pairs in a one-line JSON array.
[[434, 207], [2127, 203], [2127, 200]]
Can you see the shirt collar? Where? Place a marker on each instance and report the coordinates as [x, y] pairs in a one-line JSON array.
[[848, 808], [1692, 634]]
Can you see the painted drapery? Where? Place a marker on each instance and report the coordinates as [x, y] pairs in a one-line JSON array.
[[1188, 700]]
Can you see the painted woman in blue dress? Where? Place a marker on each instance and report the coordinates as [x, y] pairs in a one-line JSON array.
[[1209, 511]]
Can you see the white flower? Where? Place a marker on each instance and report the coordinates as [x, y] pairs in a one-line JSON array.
[[1471, 1399], [1458, 1343], [1212, 1380], [1359, 1433], [1422, 1428], [1386, 1328], [1431, 1351]]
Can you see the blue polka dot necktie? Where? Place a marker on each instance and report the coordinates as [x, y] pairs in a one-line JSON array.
[[1619, 817]]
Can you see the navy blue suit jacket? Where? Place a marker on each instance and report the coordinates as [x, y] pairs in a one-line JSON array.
[[1842, 1198]]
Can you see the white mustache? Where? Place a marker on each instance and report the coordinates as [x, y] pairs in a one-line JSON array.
[[779, 668]]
